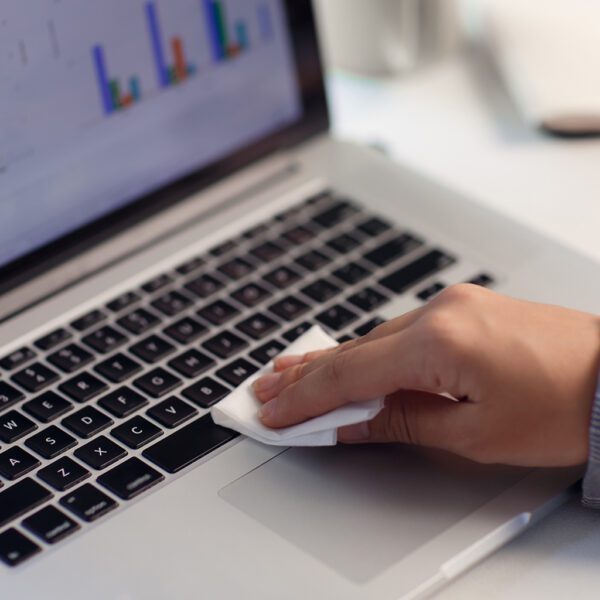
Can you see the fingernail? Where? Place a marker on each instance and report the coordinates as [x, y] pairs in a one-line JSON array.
[[284, 362], [354, 433], [266, 410], [266, 382]]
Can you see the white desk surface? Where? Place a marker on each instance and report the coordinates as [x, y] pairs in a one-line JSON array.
[[455, 122]]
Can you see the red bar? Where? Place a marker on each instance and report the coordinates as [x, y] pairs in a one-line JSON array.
[[127, 100], [178, 54], [234, 50]]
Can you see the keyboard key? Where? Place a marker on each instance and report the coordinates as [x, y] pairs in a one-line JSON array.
[[89, 320], [225, 345], [15, 463], [237, 372], [337, 317], [50, 525], [185, 330], [192, 363], [122, 402], [369, 326], [152, 349], [83, 387], [313, 260], [337, 213], [139, 321], [15, 548], [123, 301], [157, 283], [172, 303], [88, 503], [267, 352], [206, 392], [70, 358], [295, 332], [51, 340], [236, 268], [430, 291], [483, 280], [47, 407], [172, 412], [35, 377], [344, 338], [218, 312], [352, 273], [223, 248], [188, 444], [282, 277], [157, 382], [191, 265], [63, 474], [368, 299], [256, 231], [343, 244], [321, 290], [20, 498], [405, 277], [299, 235], [17, 359], [51, 442], [289, 308], [267, 251], [250, 295], [136, 432], [14, 425], [130, 478], [374, 227], [100, 453], [204, 286], [104, 340], [392, 250], [9, 395], [118, 368], [87, 422], [258, 326]]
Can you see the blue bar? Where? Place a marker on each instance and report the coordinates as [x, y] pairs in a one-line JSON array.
[[265, 23], [213, 32], [157, 46], [102, 76], [242, 35], [134, 88]]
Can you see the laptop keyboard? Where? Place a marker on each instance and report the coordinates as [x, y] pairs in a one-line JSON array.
[[99, 411]]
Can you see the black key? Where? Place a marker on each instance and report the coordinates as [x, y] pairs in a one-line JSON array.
[[51, 442], [189, 444], [190, 266], [236, 268], [483, 280], [100, 453], [313, 260], [89, 320], [282, 277], [172, 412], [352, 273], [130, 478], [204, 286], [289, 308], [258, 326], [369, 326], [35, 377], [157, 382], [118, 368], [53, 339], [157, 283], [318, 198], [17, 358], [218, 312], [368, 299], [206, 392], [344, 243], [432, 262], [83, 387], [47, 407], [321, 290], [87, 422], [254, 232], [374, 227], [172, 303], [267, 251], [63, 474], [14, 425], [288, 214], [337, 317], [104, 340], [137, 432], [251, 294], [50, 525], [295, 332], [192, 363], [223, 248], [9, 395], [15, 548], [20, 498], [185, 330], [337, 213], [267, 352], [152, 349], [344, 338], [299, 235], [430, 291], [88, 503], [15, 463], [392, 250], [123, 301], [139, 321], [70, 358], [225, 345], [237, 372], [122, 402]]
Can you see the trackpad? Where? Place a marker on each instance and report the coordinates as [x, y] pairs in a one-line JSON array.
[[361, 509]]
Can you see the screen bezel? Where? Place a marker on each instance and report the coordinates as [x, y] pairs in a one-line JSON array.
[[314, 120]]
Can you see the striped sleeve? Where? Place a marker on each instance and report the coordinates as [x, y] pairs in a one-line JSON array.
[[591, 480]]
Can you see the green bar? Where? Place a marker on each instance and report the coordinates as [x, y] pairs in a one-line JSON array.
[[221, 27], [115, 93]]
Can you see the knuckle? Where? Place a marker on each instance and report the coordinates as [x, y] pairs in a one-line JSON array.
[[441, 331], [461, 294]]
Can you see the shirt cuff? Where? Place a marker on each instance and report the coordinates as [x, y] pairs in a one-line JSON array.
[[591, 480]]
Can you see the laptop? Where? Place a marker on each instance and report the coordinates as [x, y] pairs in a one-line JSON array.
[[173, 214]]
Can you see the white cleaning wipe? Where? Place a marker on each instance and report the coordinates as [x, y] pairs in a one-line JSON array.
[[239, 411]]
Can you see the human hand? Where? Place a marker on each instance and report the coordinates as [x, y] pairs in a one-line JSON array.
[[524, 375]]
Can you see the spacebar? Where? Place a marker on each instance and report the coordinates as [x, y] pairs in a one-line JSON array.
[[188, 444]]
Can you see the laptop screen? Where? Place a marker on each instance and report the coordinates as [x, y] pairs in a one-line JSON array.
[[104, 102]]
